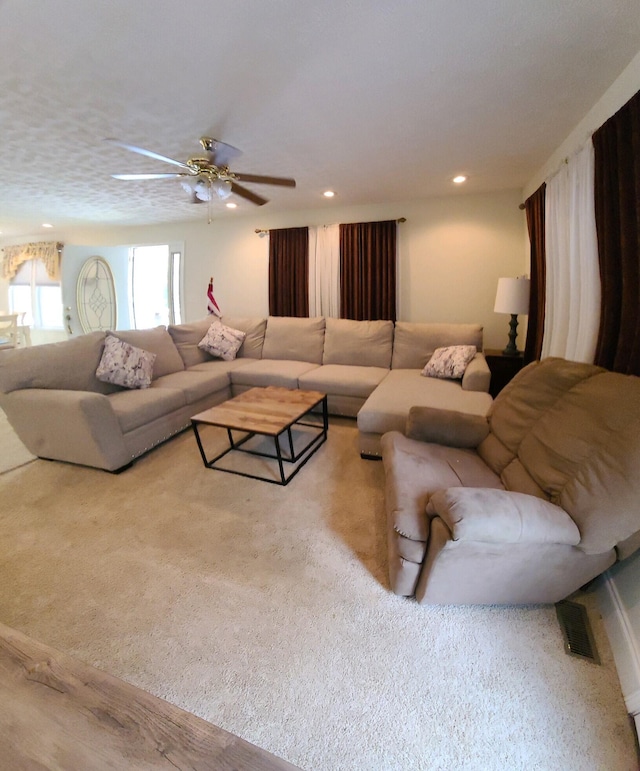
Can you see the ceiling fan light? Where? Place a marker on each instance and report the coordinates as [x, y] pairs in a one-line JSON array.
[[222, 188], [198, 186], [203, 193]]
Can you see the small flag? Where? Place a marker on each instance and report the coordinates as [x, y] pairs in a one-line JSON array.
[[212, 305]]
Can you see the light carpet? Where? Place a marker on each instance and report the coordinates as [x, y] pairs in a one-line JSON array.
[[266, 610]]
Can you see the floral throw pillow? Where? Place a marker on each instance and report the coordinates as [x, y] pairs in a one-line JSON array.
[[222, 341], [450, 362], [124, 364]]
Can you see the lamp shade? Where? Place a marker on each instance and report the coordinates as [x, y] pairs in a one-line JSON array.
[[512, 296]]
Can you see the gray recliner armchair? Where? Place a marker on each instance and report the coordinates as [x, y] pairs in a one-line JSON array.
[[525, 506]]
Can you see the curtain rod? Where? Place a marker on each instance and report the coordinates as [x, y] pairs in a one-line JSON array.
[[263, 232]]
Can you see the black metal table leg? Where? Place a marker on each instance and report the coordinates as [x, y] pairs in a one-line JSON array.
[[283, 479]]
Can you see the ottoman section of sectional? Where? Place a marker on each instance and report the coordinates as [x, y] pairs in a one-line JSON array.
[[388, 406]]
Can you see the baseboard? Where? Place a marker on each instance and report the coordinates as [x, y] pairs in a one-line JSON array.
[[625, 646], [632, 703]]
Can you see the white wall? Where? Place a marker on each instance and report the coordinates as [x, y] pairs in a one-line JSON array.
[[618, 94], [451, 253]]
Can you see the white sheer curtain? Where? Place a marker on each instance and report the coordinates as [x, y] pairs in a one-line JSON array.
[[572, 300], [324, 271]]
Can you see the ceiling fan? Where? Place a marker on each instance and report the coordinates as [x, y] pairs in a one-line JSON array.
[[209, 177]]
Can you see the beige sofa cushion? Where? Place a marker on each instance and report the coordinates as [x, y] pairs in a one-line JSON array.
[[522, 402], [68, 365], [268, 372], [294, 339], [360, 343], [195, 385], [158, 341], [254, 330], [414, 343], [187, 336], [218, 365], [342, 379]]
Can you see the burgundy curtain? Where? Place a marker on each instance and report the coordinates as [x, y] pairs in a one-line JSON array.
[[368, 270], [289, 272], [617, 205], [534, 208]]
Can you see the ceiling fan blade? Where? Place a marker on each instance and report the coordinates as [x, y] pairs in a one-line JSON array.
[[148, 153], [147, 176], [283, 181], [244, 193], [220, 153]]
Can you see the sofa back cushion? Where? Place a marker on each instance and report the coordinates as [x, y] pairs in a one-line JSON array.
[[585, 453], [187, 336], [254, 330], [518, 407], [158, 341], [360, 343], [414, 342], [68, 365], [294, 339]]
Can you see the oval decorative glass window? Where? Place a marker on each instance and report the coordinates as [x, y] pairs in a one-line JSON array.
[[96, 296]]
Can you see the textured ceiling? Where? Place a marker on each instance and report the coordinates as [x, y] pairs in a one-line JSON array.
[[381, 101]]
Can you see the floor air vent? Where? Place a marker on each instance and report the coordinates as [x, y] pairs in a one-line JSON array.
[[576, 630]]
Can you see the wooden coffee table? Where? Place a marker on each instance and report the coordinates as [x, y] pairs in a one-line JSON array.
[[266, 412]]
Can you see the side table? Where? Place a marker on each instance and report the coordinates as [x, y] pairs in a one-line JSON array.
[[503, 368]]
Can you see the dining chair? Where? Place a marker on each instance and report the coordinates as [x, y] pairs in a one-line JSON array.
[[24, 330], [8, 330]]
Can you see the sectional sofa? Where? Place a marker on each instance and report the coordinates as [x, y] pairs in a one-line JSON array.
[[370, 370]]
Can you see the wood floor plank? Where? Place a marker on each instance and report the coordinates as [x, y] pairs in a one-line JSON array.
[[57, 712]]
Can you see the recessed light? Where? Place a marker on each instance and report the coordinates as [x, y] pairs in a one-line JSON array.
[[231, 205], [459, 179], [46, 225], [328, 194]]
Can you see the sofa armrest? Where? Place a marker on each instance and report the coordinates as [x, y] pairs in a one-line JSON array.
[[501, 516], [447, 427], [477, 375], [74, 426]]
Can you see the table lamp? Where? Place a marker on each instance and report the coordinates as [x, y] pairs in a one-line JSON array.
[[512, 297]]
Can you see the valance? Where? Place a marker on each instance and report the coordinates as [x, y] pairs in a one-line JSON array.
[[46, 251]]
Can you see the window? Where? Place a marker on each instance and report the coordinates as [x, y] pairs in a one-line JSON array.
[[39, 297], [155, 285]]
